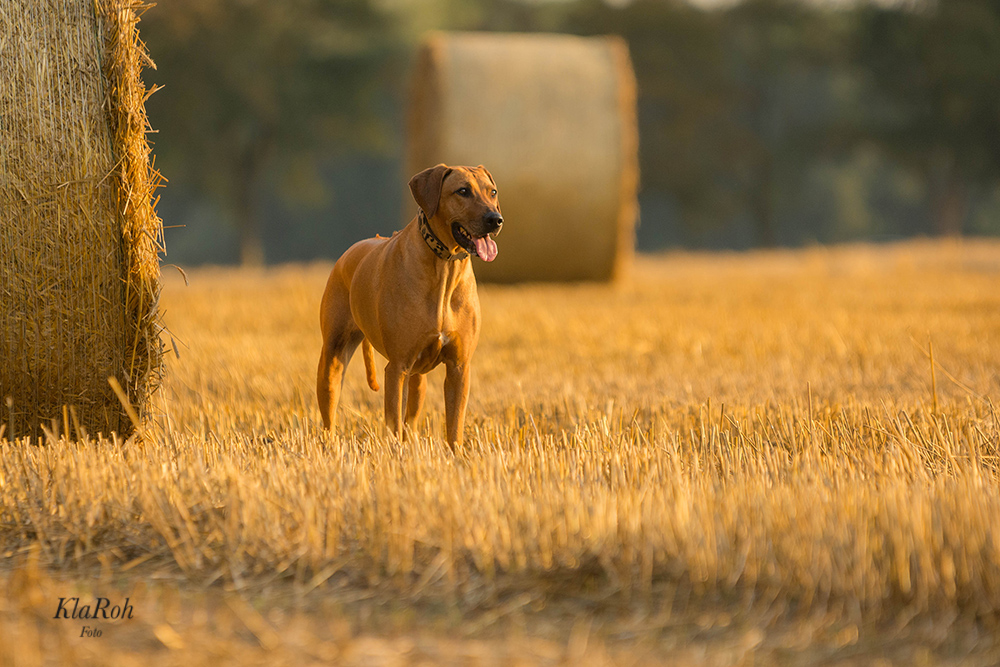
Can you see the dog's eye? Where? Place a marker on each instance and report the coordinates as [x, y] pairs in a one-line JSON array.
[[465, 192], [494, 193]]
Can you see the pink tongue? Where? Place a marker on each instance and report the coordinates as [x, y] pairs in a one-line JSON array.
[[486, 248]]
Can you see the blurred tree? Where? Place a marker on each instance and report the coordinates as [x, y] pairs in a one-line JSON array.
[[255, 84], [933, 72], [757, 120], [420, 16], [731, 101], [686, 97], [785, 57]]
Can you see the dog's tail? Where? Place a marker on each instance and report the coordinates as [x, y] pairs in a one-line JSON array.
[[369, 354]]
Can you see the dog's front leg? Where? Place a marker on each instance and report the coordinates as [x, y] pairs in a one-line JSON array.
[[416, 388], [456, 396], [394, 375]]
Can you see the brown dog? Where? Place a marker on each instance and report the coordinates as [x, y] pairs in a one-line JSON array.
[[413, 298]]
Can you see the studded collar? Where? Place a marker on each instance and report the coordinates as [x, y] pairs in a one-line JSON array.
[[434, 243]]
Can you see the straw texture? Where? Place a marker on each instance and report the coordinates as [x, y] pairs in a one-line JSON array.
[[79, 234], [554, 119]]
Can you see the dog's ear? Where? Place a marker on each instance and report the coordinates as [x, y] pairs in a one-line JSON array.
[[488, 174], [426, 188]]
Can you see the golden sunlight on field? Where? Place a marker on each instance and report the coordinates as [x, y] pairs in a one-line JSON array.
[[728, 459]]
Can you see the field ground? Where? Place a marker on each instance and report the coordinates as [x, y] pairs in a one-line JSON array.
[[730, 459]]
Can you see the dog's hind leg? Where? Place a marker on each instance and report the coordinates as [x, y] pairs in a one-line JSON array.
[[369, 355], [336, 354]]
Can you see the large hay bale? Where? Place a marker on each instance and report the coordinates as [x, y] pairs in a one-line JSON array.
[[554, 119], [79, 235]]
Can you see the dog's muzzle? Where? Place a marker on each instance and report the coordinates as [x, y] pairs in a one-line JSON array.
[[493, 222], [480, 243]]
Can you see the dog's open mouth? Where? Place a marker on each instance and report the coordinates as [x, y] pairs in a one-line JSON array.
[[484, 247]]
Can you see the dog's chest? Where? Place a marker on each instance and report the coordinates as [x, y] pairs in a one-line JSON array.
[[452, 336], [432, 351]]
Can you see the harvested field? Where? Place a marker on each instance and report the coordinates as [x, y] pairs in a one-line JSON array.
[[727, 459]]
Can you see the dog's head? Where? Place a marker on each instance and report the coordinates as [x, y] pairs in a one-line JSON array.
[[461, 207]]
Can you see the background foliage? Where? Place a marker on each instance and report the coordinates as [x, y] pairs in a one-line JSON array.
[[767, 122]]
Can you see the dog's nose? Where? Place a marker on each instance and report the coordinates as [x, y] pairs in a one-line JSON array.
[[493, 221]]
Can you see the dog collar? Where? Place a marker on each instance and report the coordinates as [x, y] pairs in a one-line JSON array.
[[435, 244]]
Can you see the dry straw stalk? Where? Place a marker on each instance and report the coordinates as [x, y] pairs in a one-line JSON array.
[[79, 234]]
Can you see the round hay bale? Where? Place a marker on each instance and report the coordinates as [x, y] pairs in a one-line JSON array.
[[79, 235], [553, 117]]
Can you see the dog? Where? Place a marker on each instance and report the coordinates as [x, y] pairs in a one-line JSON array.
[[413, 298]]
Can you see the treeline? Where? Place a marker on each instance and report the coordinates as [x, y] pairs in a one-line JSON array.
[[768, 122]]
